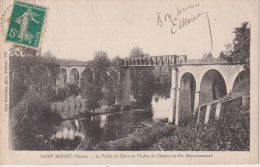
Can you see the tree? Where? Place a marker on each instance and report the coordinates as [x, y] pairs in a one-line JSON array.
[[136, 52], [73, 89], [88, 88], [115, 76], [94, 80], [31, 118], [100, 66], [101, 81], [86, 77], [61, 94], [207, 56], [242, 45], [32, 69], [142, 80], [239, 50]]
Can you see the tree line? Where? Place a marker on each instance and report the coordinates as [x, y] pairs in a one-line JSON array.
[[239, 50], [101, 81]]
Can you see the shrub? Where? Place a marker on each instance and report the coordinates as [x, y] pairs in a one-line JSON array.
[[230, 133], [30, 120], [73, 89], [62, 94]]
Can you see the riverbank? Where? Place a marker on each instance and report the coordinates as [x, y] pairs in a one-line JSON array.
[[140, 139], [89, 114], [74, 108], [231, 133], [109, 111]]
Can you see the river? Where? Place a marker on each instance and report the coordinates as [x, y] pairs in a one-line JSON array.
[[105, 127]]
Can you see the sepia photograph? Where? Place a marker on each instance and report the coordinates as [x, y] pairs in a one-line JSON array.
[[129, 77]]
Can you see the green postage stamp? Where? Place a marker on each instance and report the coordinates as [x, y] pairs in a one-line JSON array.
[[26, 24]]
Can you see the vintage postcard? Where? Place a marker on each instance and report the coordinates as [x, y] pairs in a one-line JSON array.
[[131, 82]]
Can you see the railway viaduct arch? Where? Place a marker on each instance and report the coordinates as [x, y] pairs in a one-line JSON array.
[[70, 71], [193, 82]]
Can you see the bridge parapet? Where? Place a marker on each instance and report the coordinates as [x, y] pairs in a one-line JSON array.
[[168, 60], [209, 61], [72, 63]]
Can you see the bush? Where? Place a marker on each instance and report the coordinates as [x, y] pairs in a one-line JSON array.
[[230, 133], [73, 89], [62, 94], [30, 120]]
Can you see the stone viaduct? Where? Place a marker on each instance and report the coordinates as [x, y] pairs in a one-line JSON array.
[[193, 82], [70, 71]]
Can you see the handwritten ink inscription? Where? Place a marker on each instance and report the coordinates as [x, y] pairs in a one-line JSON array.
[[178, 21]]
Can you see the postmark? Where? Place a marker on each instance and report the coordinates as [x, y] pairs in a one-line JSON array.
[[5, 19], [26, 24]]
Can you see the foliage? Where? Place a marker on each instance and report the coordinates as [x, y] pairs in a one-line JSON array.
[[227, 54], [61, 144], [62, 94], [101, 81], [239, 50], [146, 85], [31, 69], [162, 86], [142, 80], [115, 75], [86, 77], [30, 119], [136, 52], [207, 56], [94, 79], [100, 66], [89, 89], [218, 88], [73, 89], [230, 133]]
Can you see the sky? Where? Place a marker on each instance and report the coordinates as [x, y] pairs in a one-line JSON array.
[[77, 29]]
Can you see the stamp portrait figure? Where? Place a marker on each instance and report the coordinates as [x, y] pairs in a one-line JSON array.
[[26, 24], [24, 21]]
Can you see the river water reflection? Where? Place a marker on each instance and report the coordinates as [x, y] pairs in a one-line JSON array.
[[105, 127]]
